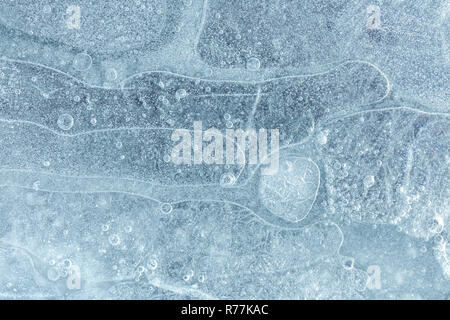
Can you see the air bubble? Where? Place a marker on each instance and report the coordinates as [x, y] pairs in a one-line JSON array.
[[369, 181], [438, 240], [111, 74], [114, 240], [349, 263], [227, 180], [322, 138], [47, 9], [188, 276], [141, 270], [65, 122], [164, 100], [166, 208], [67, 263], [152, 264], [180, 94], [436, 225]]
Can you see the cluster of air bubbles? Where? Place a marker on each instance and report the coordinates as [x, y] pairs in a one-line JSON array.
[[369, 181]]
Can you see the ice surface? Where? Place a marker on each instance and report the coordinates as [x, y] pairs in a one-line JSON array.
[[410, 44], [93, 206]]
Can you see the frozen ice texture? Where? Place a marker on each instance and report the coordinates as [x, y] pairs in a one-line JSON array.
[[91, 205]]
